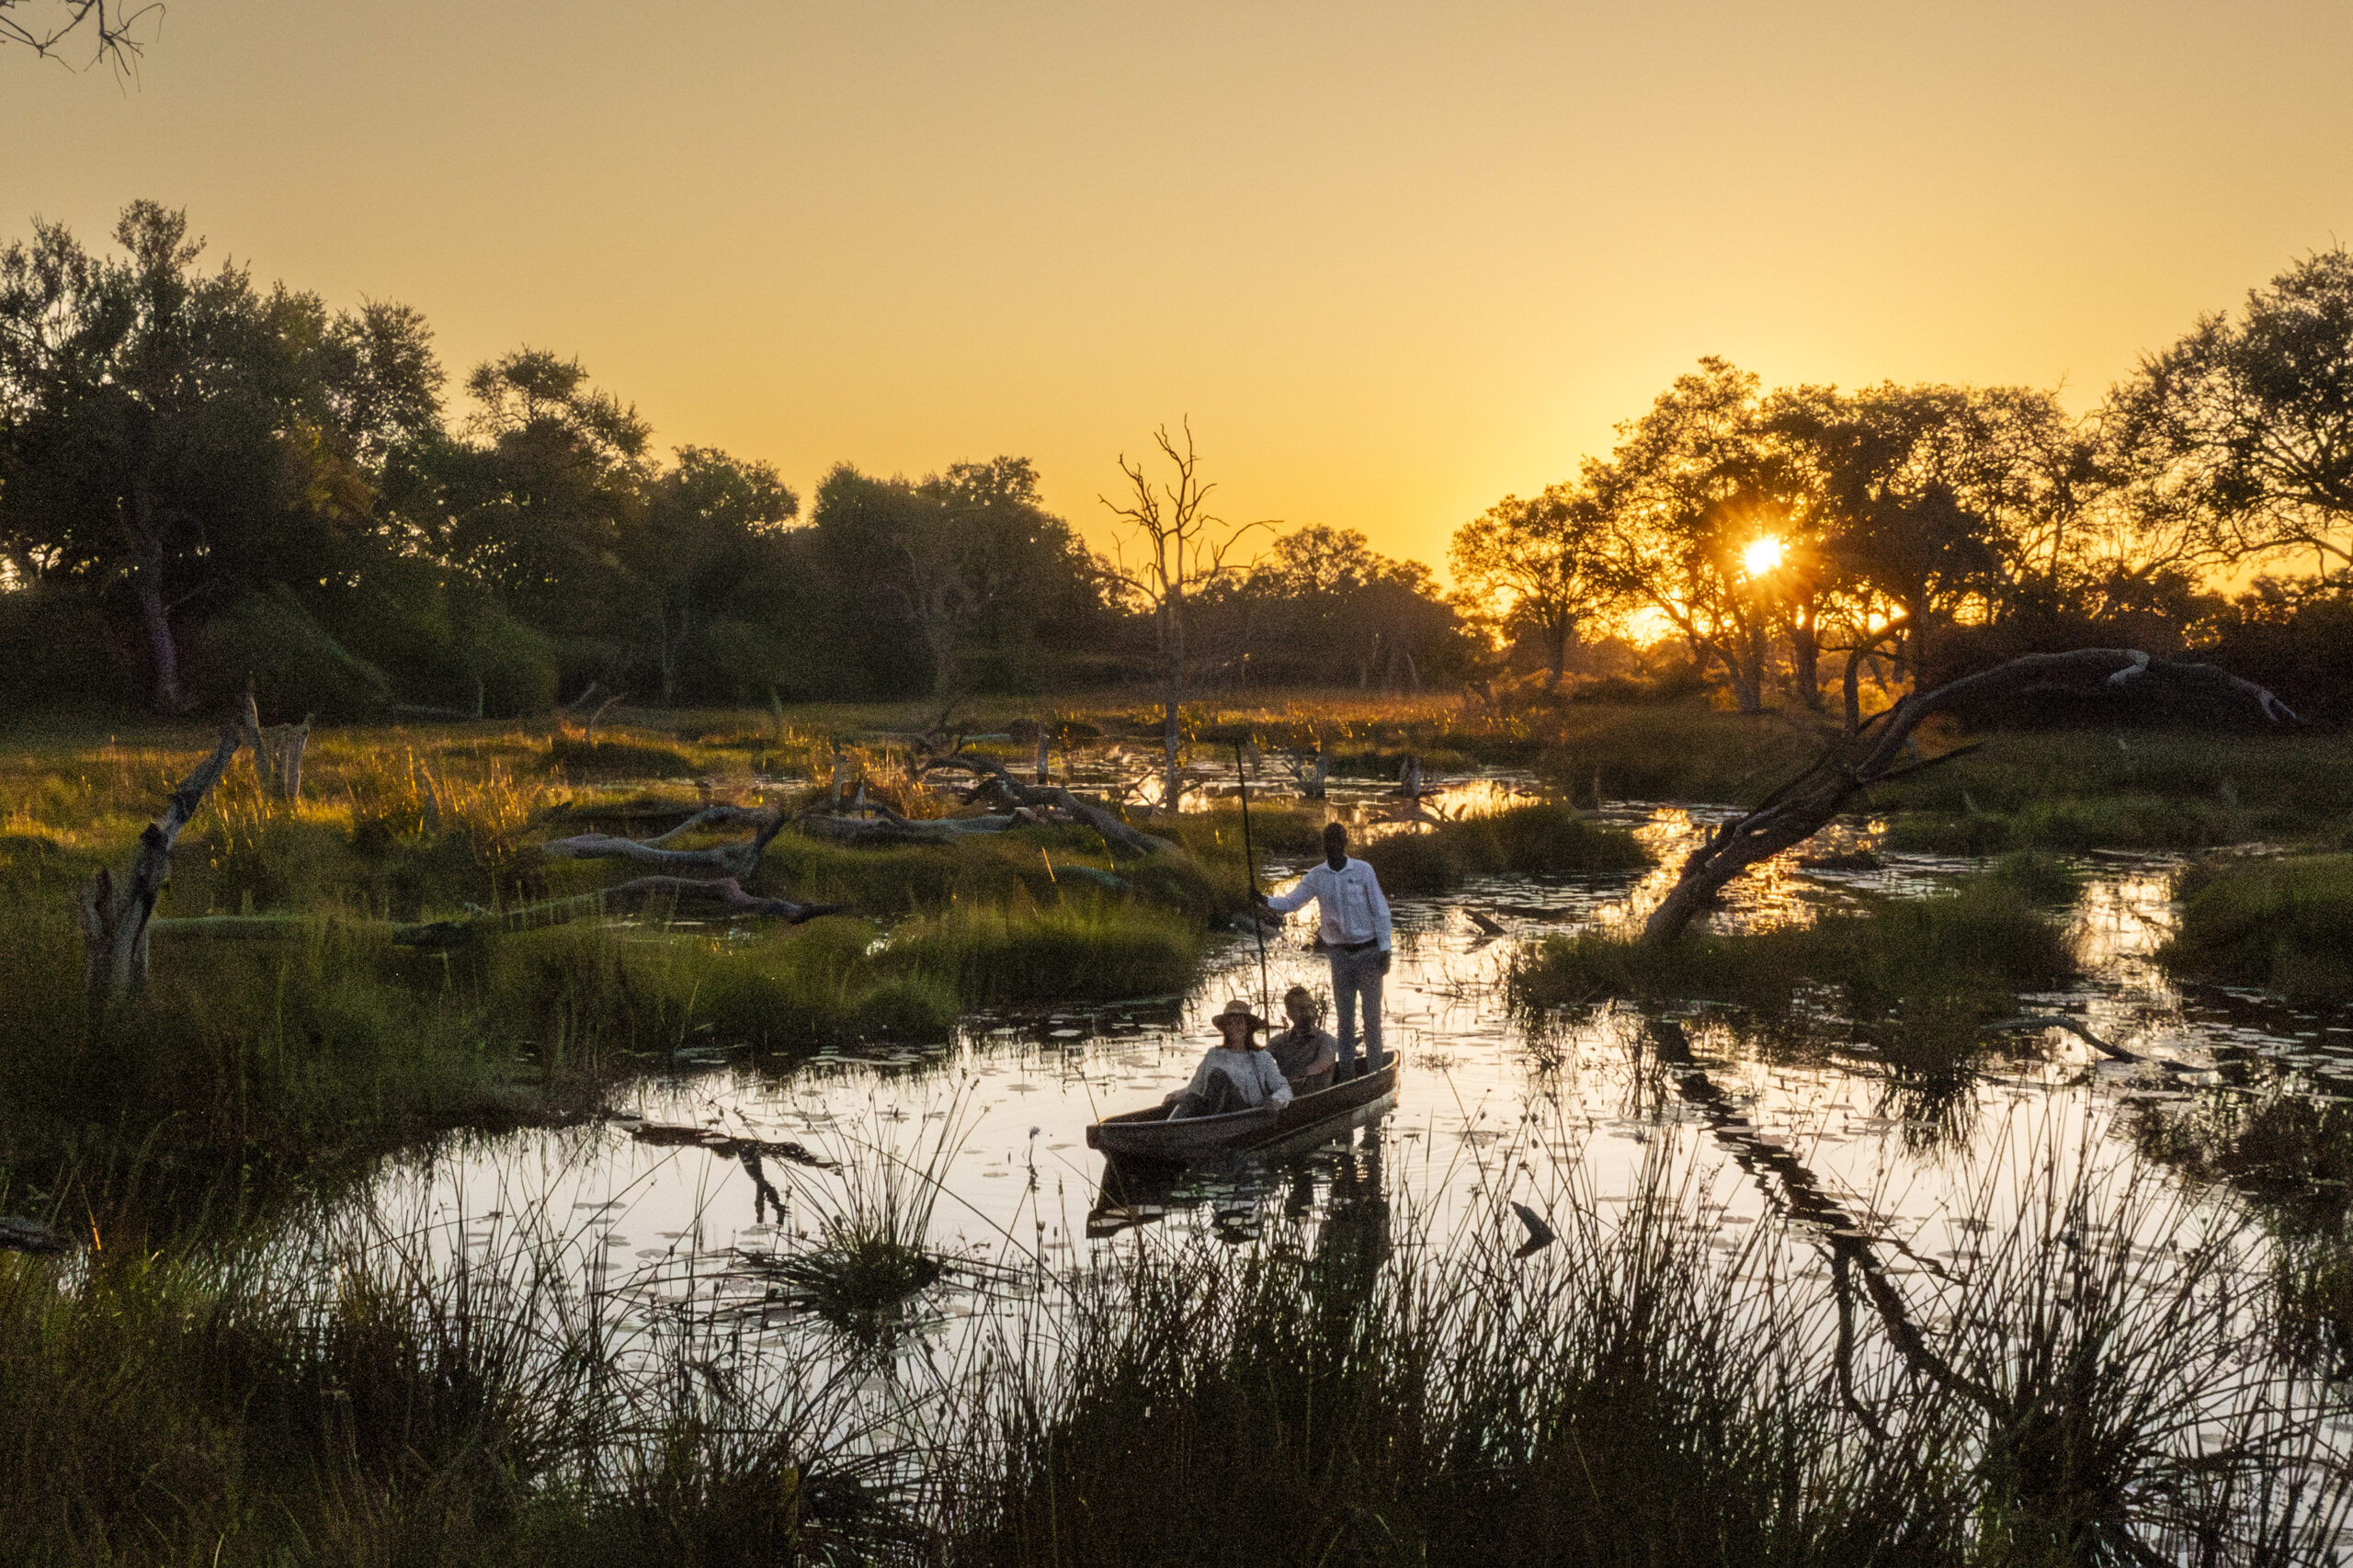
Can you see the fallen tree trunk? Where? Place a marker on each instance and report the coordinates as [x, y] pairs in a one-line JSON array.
[[894, 829], [683, 898], [1116, 833], [114, 916], [736, 861], [1804, 805]]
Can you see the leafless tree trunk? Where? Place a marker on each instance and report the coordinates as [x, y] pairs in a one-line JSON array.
[[1182, 548], [277, 751], [115, 914], [1801, 808]]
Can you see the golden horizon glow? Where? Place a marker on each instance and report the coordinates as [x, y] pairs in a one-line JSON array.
[[1762, 554], [1392, 270]]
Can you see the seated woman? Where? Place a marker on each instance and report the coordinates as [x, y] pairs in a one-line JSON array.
[[1236, 1075], [1306, 1051]]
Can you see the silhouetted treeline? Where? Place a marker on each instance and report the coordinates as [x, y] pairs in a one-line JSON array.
[[204, 482], [1794, 539]]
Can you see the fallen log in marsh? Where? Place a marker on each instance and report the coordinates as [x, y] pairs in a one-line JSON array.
[[1122, 837], [734, 861], [1803, 806], [678, 898]]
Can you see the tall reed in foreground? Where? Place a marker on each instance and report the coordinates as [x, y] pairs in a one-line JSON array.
[[2091, 1389]]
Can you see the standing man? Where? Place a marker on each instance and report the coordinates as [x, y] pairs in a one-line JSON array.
[[1355, 932]]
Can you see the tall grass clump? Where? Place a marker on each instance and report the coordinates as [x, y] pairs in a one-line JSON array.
[[1532, 839], [1084, 949], [1675, 752], [2122, 789], [1916, 976], [872, 1255], [2279, 923]]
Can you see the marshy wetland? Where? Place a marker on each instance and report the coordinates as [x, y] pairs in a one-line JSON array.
[[1972, 1187]]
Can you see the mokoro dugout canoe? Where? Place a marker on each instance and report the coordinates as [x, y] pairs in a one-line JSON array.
[[1148, 1136]]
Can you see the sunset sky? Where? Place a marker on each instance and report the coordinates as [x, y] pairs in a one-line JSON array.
[[1394, 260]]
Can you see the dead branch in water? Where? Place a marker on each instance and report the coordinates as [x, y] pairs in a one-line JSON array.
[[1804, 805]]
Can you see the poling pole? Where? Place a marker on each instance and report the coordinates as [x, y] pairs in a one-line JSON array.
[[1250, 859]]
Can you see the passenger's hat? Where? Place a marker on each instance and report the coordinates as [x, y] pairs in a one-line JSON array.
[[1238, 1009]]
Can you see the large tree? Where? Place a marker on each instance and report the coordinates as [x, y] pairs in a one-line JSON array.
[[1691, 492], [540, 500], [1543, 563], [186, 438], [2247, 424], [708, 533]]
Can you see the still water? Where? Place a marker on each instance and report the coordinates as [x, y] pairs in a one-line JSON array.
[[674, 1209]]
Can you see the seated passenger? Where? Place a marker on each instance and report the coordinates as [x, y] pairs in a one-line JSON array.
[[1236, 1075], [1306, 1051]]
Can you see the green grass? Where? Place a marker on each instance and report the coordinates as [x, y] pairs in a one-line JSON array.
[[1355, 1390], [1084, 949], [1915, 977], [1534, 838], [1371, 1395], [2070, 789], [1678, 752], [354, 1403], [2279, 923]]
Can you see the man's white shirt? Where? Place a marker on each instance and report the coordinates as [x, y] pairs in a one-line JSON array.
[[1348, 902]]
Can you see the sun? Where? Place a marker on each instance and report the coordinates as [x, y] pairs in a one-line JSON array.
[[1762, 555]]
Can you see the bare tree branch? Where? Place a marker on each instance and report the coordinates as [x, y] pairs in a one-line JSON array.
[[111, 30]]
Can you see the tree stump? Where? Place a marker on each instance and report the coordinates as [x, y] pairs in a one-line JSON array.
[[115, 913]]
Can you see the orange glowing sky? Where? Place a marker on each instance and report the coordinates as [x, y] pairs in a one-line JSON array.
[[1394, 260]]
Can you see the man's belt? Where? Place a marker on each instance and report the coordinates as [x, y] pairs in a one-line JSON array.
[[1354, 947]]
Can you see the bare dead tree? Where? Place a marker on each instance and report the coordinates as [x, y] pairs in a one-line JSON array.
[[115, 914], [50, 27], [1181, 549], [1801, 807], [278, 750]]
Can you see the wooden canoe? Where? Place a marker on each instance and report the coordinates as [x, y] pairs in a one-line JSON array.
[[1148, 1137]]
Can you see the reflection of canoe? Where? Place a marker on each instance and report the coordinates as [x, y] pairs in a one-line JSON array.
[[1147, 1136]]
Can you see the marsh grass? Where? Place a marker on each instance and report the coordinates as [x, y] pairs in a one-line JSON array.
[[1366, 1391], [2100, 1386], [2070, 789], [873, 1256], [2279, 924], [366, 1397], [1913, 976], [1536, 838], [1084, 948]]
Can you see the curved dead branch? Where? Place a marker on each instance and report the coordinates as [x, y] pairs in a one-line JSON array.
[[1804, 805]]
